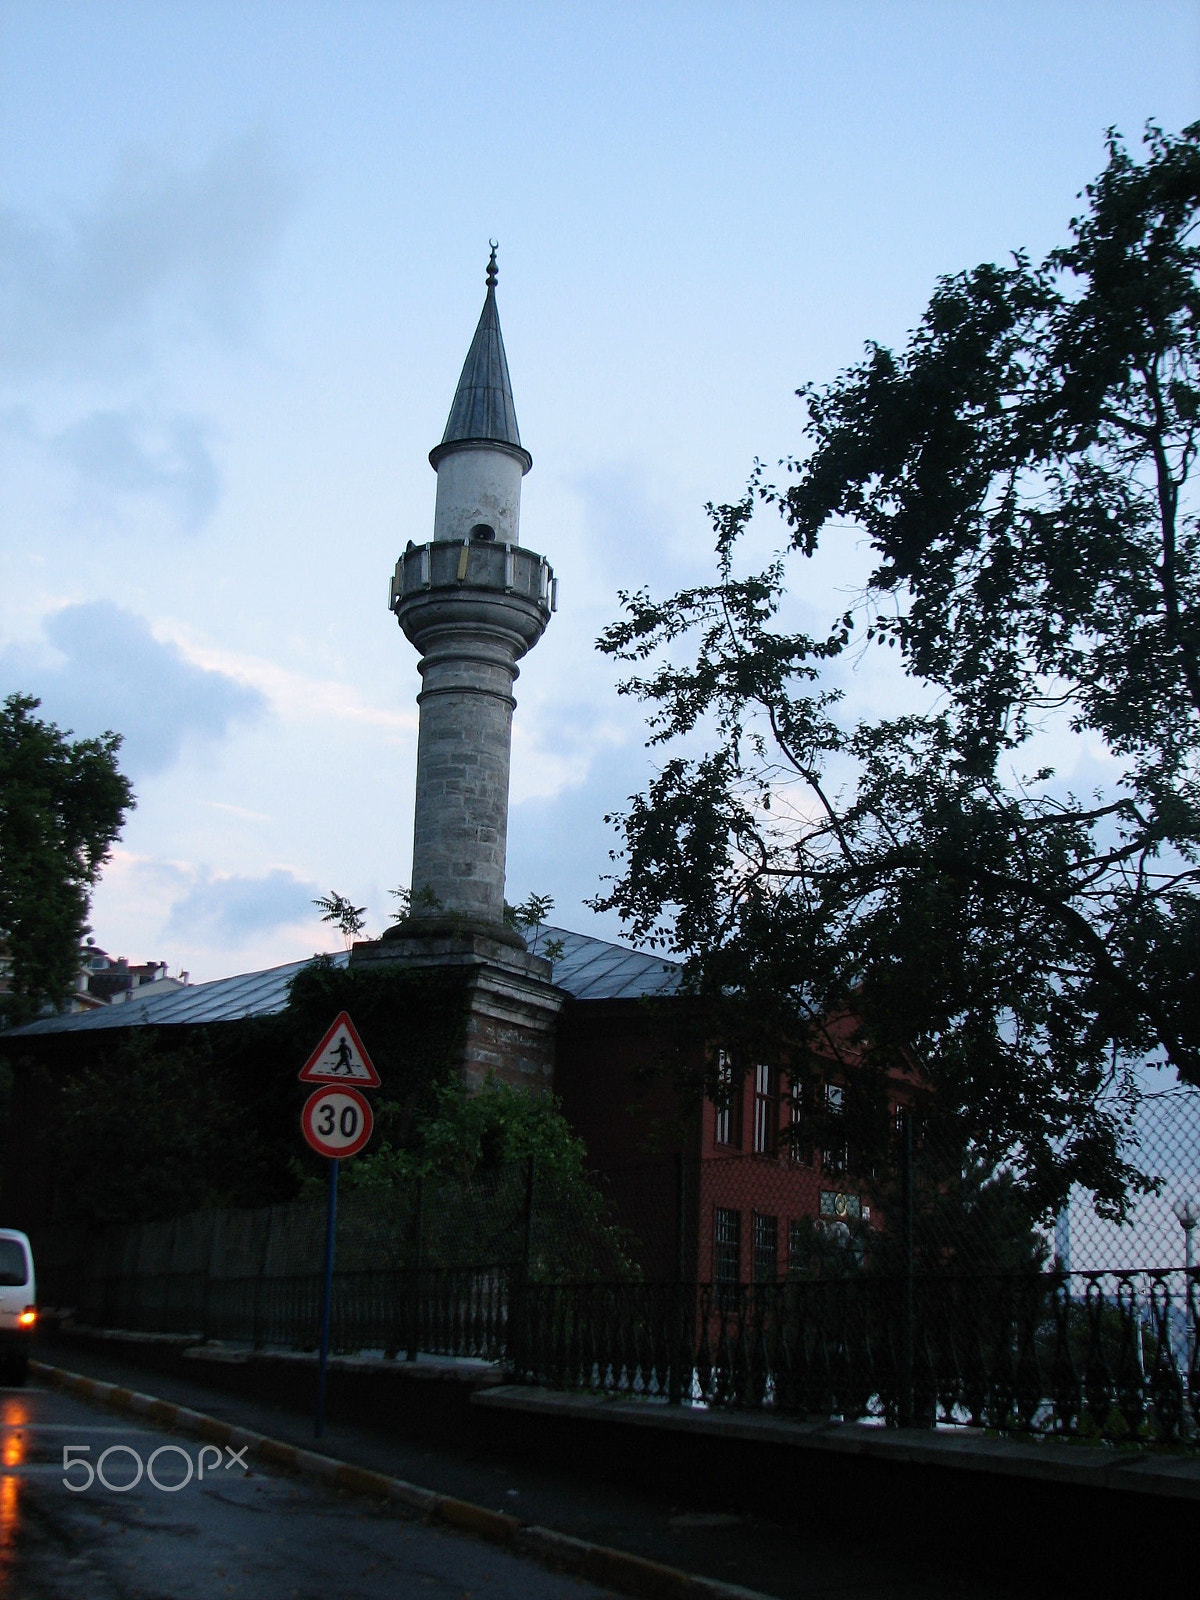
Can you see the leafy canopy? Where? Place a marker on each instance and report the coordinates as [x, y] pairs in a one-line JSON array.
[[62, 805], [1023, 474], [485, 1157]]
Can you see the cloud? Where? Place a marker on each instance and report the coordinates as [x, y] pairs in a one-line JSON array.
[[210, 922], [163, 246], [293, 696], [559, 845], [557, 743], [242, 813], [147, 884], [232, 910], [111, 672], [116, 454]]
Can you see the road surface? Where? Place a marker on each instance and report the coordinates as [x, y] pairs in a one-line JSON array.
[[212, 1526]]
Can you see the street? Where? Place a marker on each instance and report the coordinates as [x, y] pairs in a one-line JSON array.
[[179, 1520]]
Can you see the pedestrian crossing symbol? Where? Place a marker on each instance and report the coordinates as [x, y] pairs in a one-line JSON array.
[[340, 1058]]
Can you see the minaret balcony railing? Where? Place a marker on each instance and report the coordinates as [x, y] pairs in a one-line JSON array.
[[497, 568]]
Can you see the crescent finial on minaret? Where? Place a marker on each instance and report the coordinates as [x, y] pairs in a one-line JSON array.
[[492, 270]]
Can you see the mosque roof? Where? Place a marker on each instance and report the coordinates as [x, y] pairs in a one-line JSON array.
[[588, 969], [593, 969], [483, 410]]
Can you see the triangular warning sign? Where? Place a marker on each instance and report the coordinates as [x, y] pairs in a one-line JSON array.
[[340, 1058]]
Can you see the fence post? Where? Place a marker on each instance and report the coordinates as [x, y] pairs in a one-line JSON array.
[[530, 1186], [214, 1235], [257, 1337], [675, 1389], [414, 1293], [908, 1309], [520, 1333]]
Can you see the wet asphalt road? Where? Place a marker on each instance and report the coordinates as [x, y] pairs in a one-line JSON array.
[[803, 1560], [230, 1531]]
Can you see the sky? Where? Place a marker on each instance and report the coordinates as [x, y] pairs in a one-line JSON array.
[[242, 252]]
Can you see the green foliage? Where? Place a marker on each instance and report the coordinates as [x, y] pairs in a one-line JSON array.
[[821, 1250], [967, 1218], [530, 915], [346, 917], [1023, 473], [169, 1120], [457, 1133], [166, 1121], [410, 1022], [6, 1091], [477, 1154], [62, 805], [152, 1132], [408, 900]]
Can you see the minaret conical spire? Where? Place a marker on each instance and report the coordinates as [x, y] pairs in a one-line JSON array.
[[483, 410]]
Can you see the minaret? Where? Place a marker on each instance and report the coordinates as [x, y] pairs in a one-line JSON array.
[[472, 601]]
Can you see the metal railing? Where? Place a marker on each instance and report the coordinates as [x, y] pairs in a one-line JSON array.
[[458, 1312], [1102, 1355], [919, 1292]]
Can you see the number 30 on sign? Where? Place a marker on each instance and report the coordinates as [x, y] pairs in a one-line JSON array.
[[337, 1121]]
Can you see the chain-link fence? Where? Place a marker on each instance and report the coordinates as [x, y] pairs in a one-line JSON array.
[[917, 1285], [1165, 1147], [909, 1279], [825, 1208], [418, 1264]]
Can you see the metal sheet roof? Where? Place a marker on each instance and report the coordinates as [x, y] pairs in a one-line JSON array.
[[589, 969], [249, 994], [593, 969]]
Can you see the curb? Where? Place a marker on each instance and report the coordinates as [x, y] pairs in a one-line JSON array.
[[613, 1569]]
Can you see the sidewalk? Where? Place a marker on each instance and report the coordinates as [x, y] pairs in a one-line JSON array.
[[799, 1562]]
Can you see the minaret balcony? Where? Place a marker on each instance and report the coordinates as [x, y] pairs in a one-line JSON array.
[[446, 583]]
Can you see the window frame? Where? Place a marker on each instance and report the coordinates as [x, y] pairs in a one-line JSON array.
[[835, 1155], [727, 1244], [799, 1149], [727, 1121], [766, 1110], [764, 1241]]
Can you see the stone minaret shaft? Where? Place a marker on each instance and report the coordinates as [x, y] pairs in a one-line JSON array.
[[473, 602]]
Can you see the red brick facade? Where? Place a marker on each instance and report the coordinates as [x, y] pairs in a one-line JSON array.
[[745, 1179]]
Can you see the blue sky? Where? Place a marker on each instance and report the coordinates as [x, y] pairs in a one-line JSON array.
[[241, 257]]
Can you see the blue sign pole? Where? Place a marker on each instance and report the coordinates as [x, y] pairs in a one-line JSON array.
[[326, 1297]]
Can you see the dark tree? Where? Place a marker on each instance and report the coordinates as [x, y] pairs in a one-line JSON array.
[[1023, 473], [62, 804]]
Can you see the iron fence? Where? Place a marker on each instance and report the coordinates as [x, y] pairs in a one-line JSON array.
[[1088, 1354]]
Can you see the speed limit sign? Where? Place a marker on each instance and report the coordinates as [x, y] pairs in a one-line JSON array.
[[337, 1121]]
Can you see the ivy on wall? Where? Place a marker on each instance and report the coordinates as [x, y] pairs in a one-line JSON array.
[[152, 1122]]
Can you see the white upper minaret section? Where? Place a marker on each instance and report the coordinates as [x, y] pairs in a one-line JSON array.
[[480, 461], [478, 497]]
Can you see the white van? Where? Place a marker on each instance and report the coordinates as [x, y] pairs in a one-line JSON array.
[[18, 1305]]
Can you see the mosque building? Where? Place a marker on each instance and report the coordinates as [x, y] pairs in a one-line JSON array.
[[473, 601]]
